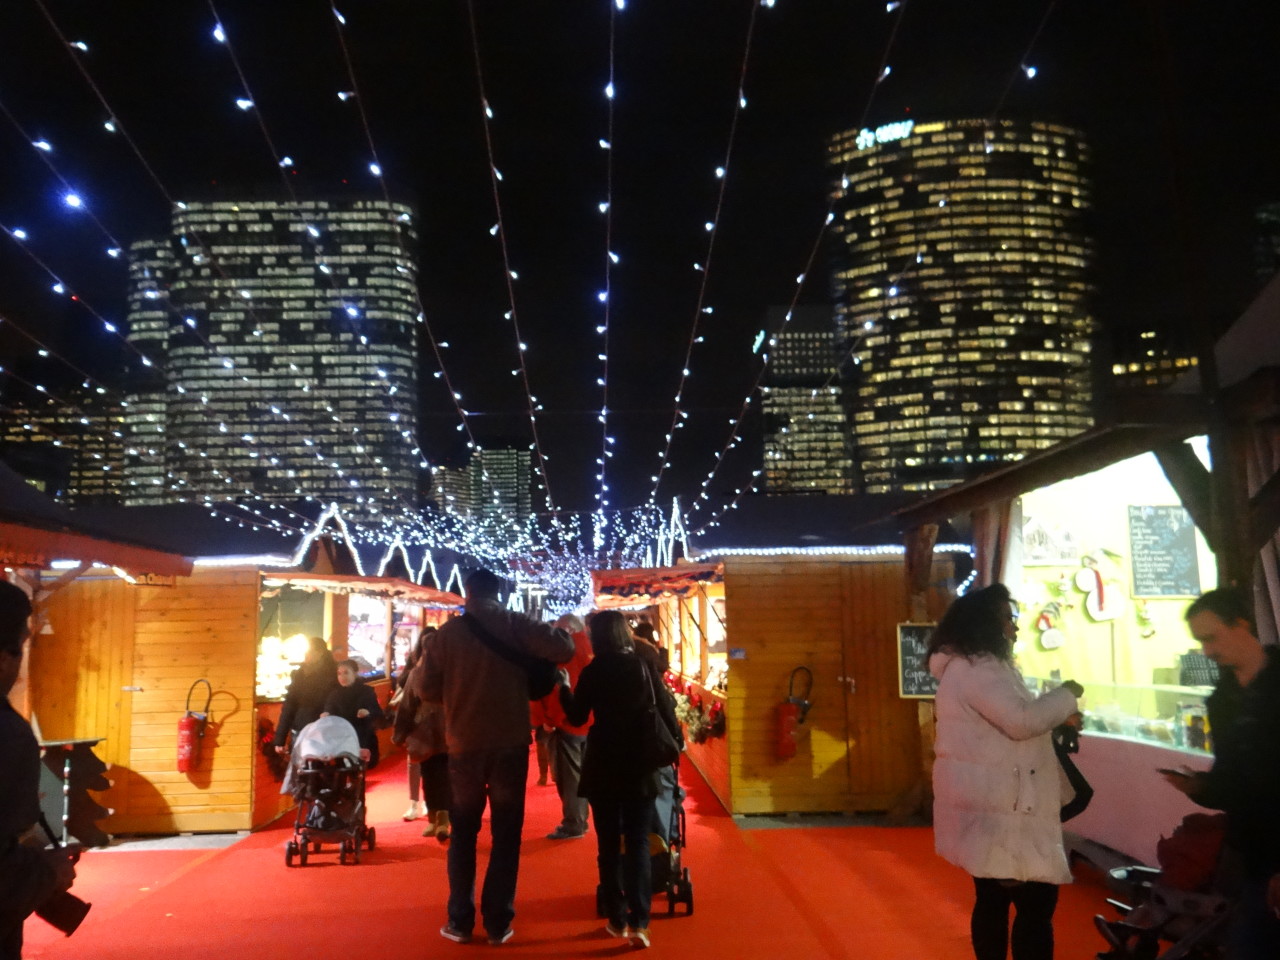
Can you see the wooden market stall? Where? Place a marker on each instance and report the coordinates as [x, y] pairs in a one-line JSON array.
[[1106, 537], [138, 645], [800, 582]]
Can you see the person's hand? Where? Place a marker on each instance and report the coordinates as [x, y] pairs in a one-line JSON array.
[[365, 754], [1273, 894], [1184, 781], [549, 727], [360, 714], [1077, 691], [1075, 720], [324, 714], [282, 750], [64, 867]]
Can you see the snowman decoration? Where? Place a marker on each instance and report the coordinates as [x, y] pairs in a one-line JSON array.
[[1102, 601]]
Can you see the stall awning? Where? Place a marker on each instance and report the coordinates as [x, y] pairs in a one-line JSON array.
[[390, 588], [646, 584], [26, 546]]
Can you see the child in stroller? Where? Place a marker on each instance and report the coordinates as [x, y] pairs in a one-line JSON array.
[[326, 778], [1182, 903]]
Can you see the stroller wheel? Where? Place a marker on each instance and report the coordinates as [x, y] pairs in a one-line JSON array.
[[290, 849], [342, 853], [302, 854], [315, 847], [355, 849], [371, 837]]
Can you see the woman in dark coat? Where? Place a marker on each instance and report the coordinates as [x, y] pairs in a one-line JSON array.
[[617, 686], [309, 688], [356, 702]]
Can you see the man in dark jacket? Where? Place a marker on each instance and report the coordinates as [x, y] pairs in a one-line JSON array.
[[309, 688], [1244, 716], [29, 875], [486, 719]]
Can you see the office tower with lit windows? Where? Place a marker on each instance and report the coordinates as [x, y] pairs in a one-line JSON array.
[[72, 449], [1146, 359], [805, 431], [277, 353], [962, 281], [495, 483]]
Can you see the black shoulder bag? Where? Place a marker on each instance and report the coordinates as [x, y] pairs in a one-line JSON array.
[[540, 672], [1066, 741], [658, 745]]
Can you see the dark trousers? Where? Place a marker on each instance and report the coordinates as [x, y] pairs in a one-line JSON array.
[[567, 769], [1034, 904], [435, 782], [1255, 930], [626, 879], [497, 776]]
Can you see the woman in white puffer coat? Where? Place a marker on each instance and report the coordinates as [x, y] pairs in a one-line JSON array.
[[997, 785]]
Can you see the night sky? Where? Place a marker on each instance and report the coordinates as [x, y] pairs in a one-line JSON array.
[[1178, 100]]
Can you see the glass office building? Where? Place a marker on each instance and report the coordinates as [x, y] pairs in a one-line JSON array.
[[806, 446], [962, 288], [280, 346]]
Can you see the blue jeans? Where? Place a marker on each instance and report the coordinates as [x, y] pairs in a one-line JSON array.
[[626, 880], [497, 776]]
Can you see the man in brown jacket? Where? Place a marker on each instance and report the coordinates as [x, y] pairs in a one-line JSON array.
[[486, 719]]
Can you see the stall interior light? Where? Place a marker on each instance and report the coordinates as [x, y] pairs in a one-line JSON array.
[[883, 550]]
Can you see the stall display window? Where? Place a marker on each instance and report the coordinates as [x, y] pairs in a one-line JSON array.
[[717, 644], [1166, 714], [691, 662], [367, 632], [287, 619]]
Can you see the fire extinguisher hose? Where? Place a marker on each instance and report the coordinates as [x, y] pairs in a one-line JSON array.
[[202, 716]]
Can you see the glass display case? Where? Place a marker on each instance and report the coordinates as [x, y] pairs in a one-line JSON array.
[[1168, 715]]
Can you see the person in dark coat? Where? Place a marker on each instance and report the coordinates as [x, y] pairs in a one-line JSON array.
[[355, 701], [1244, 782], [309, 688], [616, 688]]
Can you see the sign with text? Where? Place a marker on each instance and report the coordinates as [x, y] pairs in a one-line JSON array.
[[1162, 550], [914, 679]]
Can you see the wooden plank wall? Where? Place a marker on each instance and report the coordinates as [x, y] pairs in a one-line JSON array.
[[859, 749], [206, 626], [79, 671]]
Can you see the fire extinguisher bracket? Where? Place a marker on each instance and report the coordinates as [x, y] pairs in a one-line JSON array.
[[789, 715], [191, 728], [801, 703]]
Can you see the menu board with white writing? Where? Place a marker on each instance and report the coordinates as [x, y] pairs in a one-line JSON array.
[[1162, 550], [914, 679]]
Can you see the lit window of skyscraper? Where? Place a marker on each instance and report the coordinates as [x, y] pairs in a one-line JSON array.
[[283, 343], [962, 286]]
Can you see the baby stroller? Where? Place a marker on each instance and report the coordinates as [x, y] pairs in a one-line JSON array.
[[326, 778], [667, 842], [1180, 904], [666, 845]]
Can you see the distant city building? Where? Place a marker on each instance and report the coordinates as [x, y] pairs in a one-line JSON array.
[[1149, 360], [495, 483], [962, 288], [806, 447], [280, 345], [73, 450], [1266, 220]]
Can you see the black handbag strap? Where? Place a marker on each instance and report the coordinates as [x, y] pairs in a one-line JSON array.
[[473, 623]]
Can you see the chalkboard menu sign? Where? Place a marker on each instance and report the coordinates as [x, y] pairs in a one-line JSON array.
[[914, 679], [1162, 548]]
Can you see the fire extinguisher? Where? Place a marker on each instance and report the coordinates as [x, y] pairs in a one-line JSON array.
[[191, 730], [790, 714]]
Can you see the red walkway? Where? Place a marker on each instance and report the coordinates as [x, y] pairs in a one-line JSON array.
[[846, 893]]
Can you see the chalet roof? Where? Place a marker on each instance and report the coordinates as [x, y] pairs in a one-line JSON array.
[[35, 531], [808, 524]]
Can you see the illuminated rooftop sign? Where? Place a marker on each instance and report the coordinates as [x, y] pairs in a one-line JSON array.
[[884, 134]]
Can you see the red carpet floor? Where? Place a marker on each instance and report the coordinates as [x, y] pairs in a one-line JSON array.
[[845, 893]]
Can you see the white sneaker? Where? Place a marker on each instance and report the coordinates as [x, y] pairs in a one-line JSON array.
[[416, 809]]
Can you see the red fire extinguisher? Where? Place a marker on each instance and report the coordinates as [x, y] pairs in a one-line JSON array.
[[789, 715], [191, 730]]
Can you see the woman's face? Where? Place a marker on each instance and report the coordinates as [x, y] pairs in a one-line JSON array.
[[1009, 623], [346, 676]]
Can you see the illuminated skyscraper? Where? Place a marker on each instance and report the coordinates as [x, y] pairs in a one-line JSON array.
[[806, 447], [495, 483], [73, 449], [962, 287], [280, 340]]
